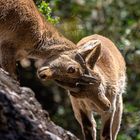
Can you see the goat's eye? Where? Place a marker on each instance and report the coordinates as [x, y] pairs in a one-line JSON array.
[[71, 69]]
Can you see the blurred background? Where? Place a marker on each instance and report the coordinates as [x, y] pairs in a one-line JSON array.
[[118, 20]]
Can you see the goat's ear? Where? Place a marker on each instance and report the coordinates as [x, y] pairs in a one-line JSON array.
[[88, 47], [90, 52], [94, 55]]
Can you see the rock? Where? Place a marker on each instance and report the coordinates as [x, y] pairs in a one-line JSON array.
[[22, 117]]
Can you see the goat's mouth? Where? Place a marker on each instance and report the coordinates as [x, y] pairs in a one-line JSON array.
[[68, 85]]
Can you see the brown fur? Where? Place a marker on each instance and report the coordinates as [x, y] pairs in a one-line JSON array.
[[24, 32], [106, 64]]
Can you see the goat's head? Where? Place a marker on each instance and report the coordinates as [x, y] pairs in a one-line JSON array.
[[72, 69], [70, 66]]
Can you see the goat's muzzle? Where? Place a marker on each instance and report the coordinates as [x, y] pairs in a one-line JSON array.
[[44, 73]]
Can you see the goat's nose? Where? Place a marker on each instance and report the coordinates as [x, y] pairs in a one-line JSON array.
[[44, 73]]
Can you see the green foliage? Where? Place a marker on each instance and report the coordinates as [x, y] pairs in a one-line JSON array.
[[45, 9]]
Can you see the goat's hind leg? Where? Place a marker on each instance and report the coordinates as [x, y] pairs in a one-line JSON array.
[[8, 58], [117, 117]]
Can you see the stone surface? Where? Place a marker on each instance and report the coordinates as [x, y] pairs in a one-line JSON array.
[[21, 116]]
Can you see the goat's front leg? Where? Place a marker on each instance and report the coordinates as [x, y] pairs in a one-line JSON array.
[[8, 60], [85, 119], [107, 119], [88, 126]]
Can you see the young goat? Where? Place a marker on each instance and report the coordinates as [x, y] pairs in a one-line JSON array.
[[94, 74]]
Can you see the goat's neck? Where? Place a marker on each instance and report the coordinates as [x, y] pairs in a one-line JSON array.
[[53, 42]]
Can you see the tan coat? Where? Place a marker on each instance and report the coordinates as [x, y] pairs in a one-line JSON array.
[[24, 32], [104, 96]]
